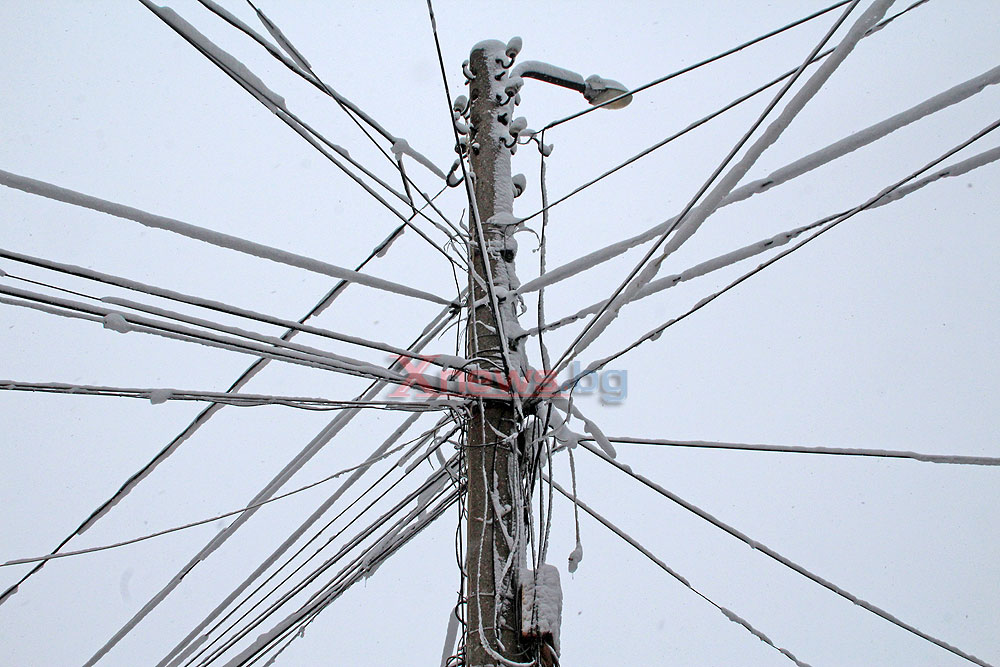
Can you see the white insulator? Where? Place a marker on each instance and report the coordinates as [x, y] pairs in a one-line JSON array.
[[514, 47], [460, 104], [520, 183]]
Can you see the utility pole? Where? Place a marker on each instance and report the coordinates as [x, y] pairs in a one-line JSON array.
[[495, 507]]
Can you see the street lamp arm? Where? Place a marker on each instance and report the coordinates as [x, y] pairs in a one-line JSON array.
[[535, 69]]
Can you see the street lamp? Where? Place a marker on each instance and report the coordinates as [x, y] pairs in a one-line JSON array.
[[597, 90]]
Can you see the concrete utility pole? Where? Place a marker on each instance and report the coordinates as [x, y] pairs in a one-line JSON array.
[[496, 527]]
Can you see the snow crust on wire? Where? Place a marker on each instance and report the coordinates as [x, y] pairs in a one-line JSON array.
[[814, 160], [271, 99], [154, 221]]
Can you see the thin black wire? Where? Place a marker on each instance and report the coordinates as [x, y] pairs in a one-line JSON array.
[[746, 137], [698, 64], [698, 123], [193, 524], [573, 498], [767, 551]]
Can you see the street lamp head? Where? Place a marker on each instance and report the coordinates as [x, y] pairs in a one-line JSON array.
[[599, 90]]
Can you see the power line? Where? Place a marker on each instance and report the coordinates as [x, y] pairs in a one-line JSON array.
[[886, 192], [157, 395], [788, 172], [219, 239], [767, 551], [666, 568], [596, 325], [701, 63], [830, 451], [200, 522], [734, 256]]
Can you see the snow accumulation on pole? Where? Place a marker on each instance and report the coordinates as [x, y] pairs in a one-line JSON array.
[[50, 191], [541, 605]]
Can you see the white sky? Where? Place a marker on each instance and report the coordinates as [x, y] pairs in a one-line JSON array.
[[880, 334]]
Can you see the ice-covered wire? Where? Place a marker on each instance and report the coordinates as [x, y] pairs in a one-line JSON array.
[[959, 168], [686, 226], [219, 239], [829, 451], [784, 174], [885, 193], [193, 641], [774, 555], [78, 310], [577, 503], [276, 105], [208, 304], [293, 466], [243, 342], [202, 641], [157, 395]]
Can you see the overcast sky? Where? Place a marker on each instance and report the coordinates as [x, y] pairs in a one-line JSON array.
[[880, 334]]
